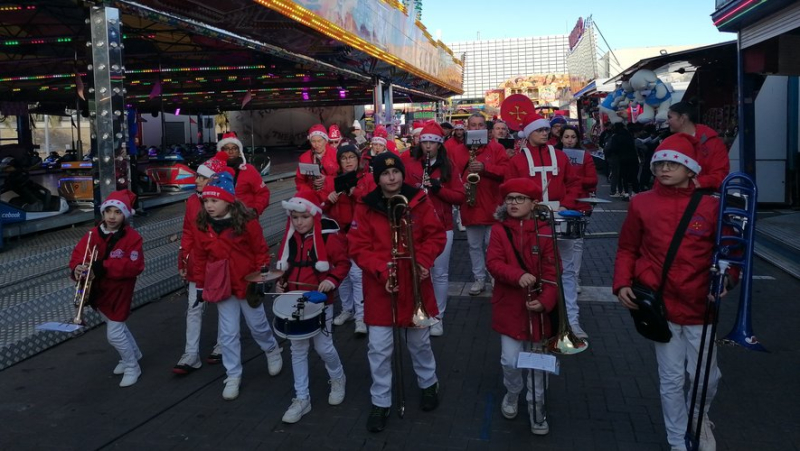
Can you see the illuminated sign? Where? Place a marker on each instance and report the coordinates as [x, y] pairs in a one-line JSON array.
[[576, 33]]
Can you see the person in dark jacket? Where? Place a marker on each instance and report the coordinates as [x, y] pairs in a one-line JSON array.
[[623, 149]]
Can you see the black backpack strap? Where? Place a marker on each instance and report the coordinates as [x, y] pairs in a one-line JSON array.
[[679, 232], [516, 252]]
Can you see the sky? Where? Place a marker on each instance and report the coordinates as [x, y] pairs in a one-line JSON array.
[[683, 22]]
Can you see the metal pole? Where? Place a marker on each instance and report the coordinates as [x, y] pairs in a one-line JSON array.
[[389, 110], [109, 100], [377, 101], [747, 122], [46, 135]]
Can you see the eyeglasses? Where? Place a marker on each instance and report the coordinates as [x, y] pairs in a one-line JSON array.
[[348, 158], [542, 130], [516, 199], [666, 165], [230, 148]]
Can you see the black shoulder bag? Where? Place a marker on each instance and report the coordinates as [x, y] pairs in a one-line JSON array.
[[651, 318]]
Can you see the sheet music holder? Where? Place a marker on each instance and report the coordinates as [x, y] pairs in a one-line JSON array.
[[508, 143], [343, 183], [476, 138], [310, 169]]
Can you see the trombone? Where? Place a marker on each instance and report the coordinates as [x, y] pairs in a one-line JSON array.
[[83, 286], [565, 342]]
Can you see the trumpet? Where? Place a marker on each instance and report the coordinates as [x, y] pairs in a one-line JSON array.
[[473, 178], [565, 341], [83, 286]]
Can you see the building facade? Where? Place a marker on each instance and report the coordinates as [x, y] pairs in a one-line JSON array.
[[488, 63]]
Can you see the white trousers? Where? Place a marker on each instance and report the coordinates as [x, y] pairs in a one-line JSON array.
[[323, 344], [440, 275], [675, 360], [512, 376], [120, 337], [194, 321], [351, 292], [478, 239], [571, 255], [229, 337], [381, 347]]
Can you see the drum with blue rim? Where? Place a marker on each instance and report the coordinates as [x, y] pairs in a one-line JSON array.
[[570, 225]]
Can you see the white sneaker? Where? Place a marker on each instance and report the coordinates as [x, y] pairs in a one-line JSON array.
[[231, 390], [578, 330], [343, 317], [275, 361], [615, 195], [540, 428], [437, 330], [361, 327], [130, 376], [337, 391], [510, 407], [296, 411], [477, 287], [120, 368], [707, 440], [187, 364]]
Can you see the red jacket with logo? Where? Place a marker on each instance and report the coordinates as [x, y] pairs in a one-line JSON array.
[[251, 189], [509, 314], [330, 166], [645, 237], [370, 245], [186, 261], [302, 258], [583, 167], [712, 156], [115, 275], [450, 193], [563, 187], [246, 253], [495, 162]]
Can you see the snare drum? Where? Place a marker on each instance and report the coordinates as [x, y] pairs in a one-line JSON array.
[[571, 225], [295, 318]]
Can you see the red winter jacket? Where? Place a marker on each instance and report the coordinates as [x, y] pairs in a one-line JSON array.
[[330, 166], [186, 260], [246, 253], [458, 153], [509, 314], [251, 189], [115, 279], [370, 247], [450, 193], [648, 229], [302, 259], [563, 187], [495, 161], [342, 210], [583, 167], [712, 156]]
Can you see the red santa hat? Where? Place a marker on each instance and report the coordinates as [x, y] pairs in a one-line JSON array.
[[122, 199], [458, 125], [334, 133], [522, 185], [417, 127], [304, 201], [231, 138], [532, 123], [318, 130], [432, 132], [213, 165], [678, 148], [380, 135]]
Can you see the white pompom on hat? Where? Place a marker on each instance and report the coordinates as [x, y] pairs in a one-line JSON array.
[[304, 201]]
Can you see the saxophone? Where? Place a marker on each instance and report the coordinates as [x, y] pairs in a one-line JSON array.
[[471, 187], [426, 177]]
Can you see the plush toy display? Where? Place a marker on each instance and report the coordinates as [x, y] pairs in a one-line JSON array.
[[617, 101], [653, 94]]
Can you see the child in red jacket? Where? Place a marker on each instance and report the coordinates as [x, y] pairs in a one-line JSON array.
[[188, 270], [313, 254], [120, 260], [340, 207], [521, 300], [429, 167], [646, 234], [370, 245], [229, 231]]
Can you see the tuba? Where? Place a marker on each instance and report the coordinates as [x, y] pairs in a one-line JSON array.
[[83, 287], [565, 341]]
